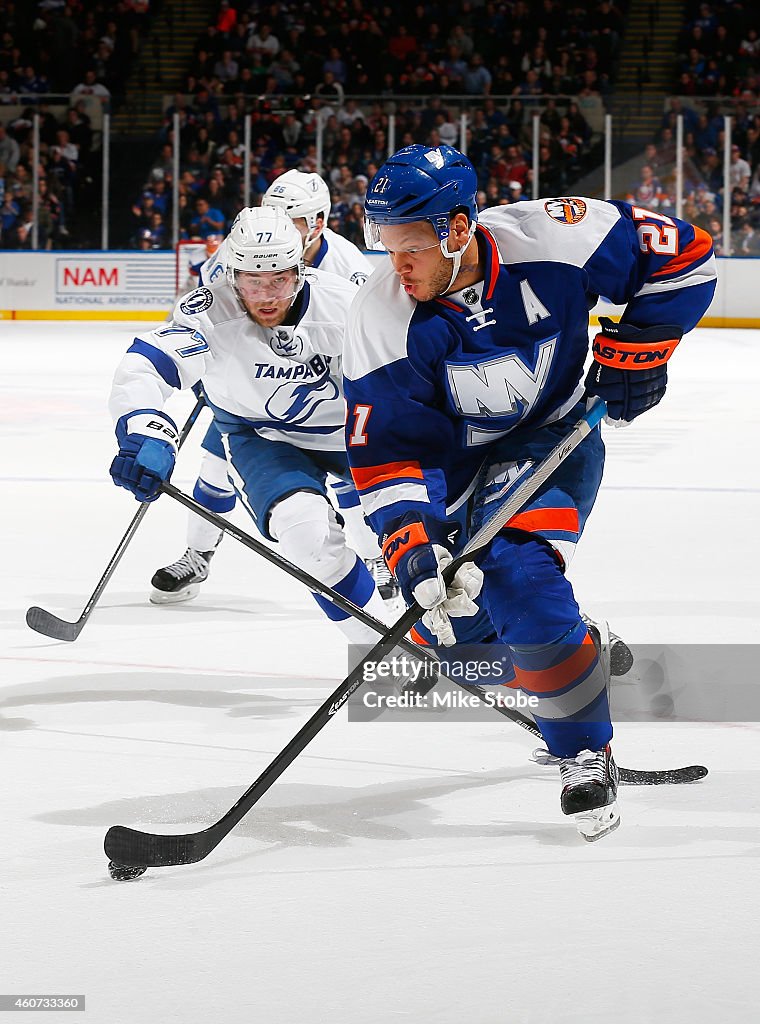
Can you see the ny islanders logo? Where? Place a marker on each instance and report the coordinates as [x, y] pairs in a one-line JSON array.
[[566, 211]]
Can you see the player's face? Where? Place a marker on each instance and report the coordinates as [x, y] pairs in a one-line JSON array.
[[303, 229], [416, 255], [267, 297]]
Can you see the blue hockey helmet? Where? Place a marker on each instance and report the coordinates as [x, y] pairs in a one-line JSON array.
[[420, 183]]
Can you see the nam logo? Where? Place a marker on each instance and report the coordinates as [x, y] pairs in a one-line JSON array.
[[566, 211]]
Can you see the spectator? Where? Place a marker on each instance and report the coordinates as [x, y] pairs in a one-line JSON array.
[[330, 90], [9, 150], [715, 229], [748, 242], [227, 18], [477, 77], [226, 68], [740, 170], [207, 220], [264, 44], [516, 192], [10, 212], [647, 191], [335, 66], [90, 86]]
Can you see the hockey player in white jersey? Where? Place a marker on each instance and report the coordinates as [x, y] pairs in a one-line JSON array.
[[305, 198], [265, 340], [464, 366]]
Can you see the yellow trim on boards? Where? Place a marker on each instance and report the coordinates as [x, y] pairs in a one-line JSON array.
[[157, 315], [84, 314], [708, 321]]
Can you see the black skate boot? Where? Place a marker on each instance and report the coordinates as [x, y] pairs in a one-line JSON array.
[[385, 582], [612, 649], [181, 580], [589, 791]]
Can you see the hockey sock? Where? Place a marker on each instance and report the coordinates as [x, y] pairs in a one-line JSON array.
[[532, 607]]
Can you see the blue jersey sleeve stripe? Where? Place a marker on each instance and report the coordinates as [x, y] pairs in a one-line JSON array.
[[160, 360]]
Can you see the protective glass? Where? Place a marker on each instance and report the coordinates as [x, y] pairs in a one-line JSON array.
[[411, 238], [275, 284]]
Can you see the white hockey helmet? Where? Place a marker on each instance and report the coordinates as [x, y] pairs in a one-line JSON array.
[[264, 241], [301, 195]]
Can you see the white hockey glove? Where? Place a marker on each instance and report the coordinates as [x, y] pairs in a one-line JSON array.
[[418, 563], [291, 343], [458, 601]]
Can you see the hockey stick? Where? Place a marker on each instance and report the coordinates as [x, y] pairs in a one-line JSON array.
[[45, 622], [132, 848], [630, 776]]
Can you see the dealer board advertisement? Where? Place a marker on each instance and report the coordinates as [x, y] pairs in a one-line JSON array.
[[87, 285]]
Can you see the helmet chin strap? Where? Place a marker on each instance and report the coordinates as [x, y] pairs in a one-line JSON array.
[[455, 257]]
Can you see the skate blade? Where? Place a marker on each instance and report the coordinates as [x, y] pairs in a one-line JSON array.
[[395, 605], [621, 658], [599, 822], [163, 597]]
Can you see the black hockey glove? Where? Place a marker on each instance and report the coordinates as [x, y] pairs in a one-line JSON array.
[[630, 367]]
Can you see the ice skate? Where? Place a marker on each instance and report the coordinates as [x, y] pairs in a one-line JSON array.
[[589, 791], [614, 652], [181, 580], [385, 582]]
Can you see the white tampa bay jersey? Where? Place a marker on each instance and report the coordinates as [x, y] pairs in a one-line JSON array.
[[342, 257], [211, 339]]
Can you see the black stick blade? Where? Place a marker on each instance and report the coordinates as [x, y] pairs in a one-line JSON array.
[[666, 777], [130, 848], [45, 622]]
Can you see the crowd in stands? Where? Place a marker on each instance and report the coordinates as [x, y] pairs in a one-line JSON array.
[[355, 143], [719, 60], [80, 50], [292, 67], [60, 46], [354, 47], [719, 50], [65, 184]]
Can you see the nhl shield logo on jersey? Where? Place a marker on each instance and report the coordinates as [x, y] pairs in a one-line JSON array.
[[566, 211], [470, 296], [197, 301]]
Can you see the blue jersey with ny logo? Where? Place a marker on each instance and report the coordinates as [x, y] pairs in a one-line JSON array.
[[431, 386]]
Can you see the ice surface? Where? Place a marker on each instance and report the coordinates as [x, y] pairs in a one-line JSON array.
[[395, 872]]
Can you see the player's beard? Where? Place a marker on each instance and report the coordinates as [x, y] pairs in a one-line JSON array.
[[268, 314], [437, 284]]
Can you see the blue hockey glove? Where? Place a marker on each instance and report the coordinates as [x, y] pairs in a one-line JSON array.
[[147, 448], [417, 563], [630, 367]]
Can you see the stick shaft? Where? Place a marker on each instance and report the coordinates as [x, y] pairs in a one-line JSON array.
[[44, 622]]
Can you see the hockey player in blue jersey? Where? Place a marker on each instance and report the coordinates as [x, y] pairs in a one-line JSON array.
[[464, 366], [306, 200], [266, 340]]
